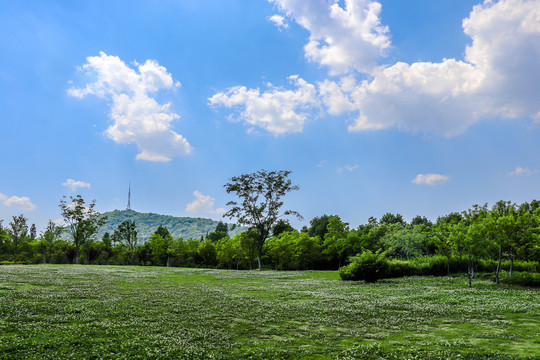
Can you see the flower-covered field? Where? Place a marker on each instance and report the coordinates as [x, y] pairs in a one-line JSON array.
[[139, 313]]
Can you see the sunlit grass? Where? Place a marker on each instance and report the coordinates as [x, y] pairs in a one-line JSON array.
[[138, 312]]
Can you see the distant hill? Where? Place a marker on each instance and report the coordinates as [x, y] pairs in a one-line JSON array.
[[147, 223]]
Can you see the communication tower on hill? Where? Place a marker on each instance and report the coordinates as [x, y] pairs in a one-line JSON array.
[[129, 197]]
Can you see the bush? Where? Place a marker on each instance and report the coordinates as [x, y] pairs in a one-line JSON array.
[[521, 278], [400, 268], [368, 266]]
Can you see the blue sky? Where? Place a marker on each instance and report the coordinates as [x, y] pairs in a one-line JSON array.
[[421, 108]]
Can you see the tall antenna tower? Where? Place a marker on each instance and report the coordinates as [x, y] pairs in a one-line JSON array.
[[129, 197]]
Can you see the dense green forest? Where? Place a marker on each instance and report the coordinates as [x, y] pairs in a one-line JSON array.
[[147, 223], [501, 239]]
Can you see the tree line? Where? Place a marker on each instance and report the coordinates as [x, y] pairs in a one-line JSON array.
[[499, 236], [504, 232]]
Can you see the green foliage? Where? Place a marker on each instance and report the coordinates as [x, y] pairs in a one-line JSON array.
[[521, 278], [293, 251], [18, 234], [207, 252], [248, 245], [390, 219], [260, 194], [126, 234], [367, 266], [281, 227], [83, 222], [319, 226], [221, 231], [406, 243], [421, 220]]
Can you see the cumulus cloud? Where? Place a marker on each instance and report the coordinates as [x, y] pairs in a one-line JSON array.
[[137, 117], [341, 38], [519, 171], [500, 77], [203, 204], [20, 203], [430, 179], [277, 110], [74, 185], [279, 21]]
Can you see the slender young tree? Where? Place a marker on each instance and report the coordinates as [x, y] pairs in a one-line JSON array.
[[33, 232], [51, 234], [82, 221], [18, 233], [127, 235], [260, 194]]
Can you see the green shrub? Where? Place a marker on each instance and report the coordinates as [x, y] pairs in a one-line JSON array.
[[521, 278], [400, 268], [367, 266]]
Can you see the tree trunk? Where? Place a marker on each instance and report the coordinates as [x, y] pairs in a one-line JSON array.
[[259, 257], [44, 257], [131, 256], [498, 268], [259, 254], [470, 270], [168, 261], [77, 257], [511, 262], [448, 265]]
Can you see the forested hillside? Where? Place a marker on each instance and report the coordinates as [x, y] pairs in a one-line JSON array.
[[147, 223]]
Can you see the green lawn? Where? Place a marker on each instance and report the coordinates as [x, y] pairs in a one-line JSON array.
[[141, 312]]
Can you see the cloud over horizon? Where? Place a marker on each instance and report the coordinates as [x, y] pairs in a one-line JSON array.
[[203, 204], [22, 203]]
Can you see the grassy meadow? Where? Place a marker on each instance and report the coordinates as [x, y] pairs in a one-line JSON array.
[[51, 312]]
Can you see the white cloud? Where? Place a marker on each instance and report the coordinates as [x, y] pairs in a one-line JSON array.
[[20, 203], [500, 77], [74, 185], [279, 21], [137, 117], [278, 111], [349, 168], [203, 204], [342, 38], [322, 163], [430, 179], [518, 171]]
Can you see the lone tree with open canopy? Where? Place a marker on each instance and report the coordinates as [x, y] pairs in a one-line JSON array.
[[260, 194], [83, 222]]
